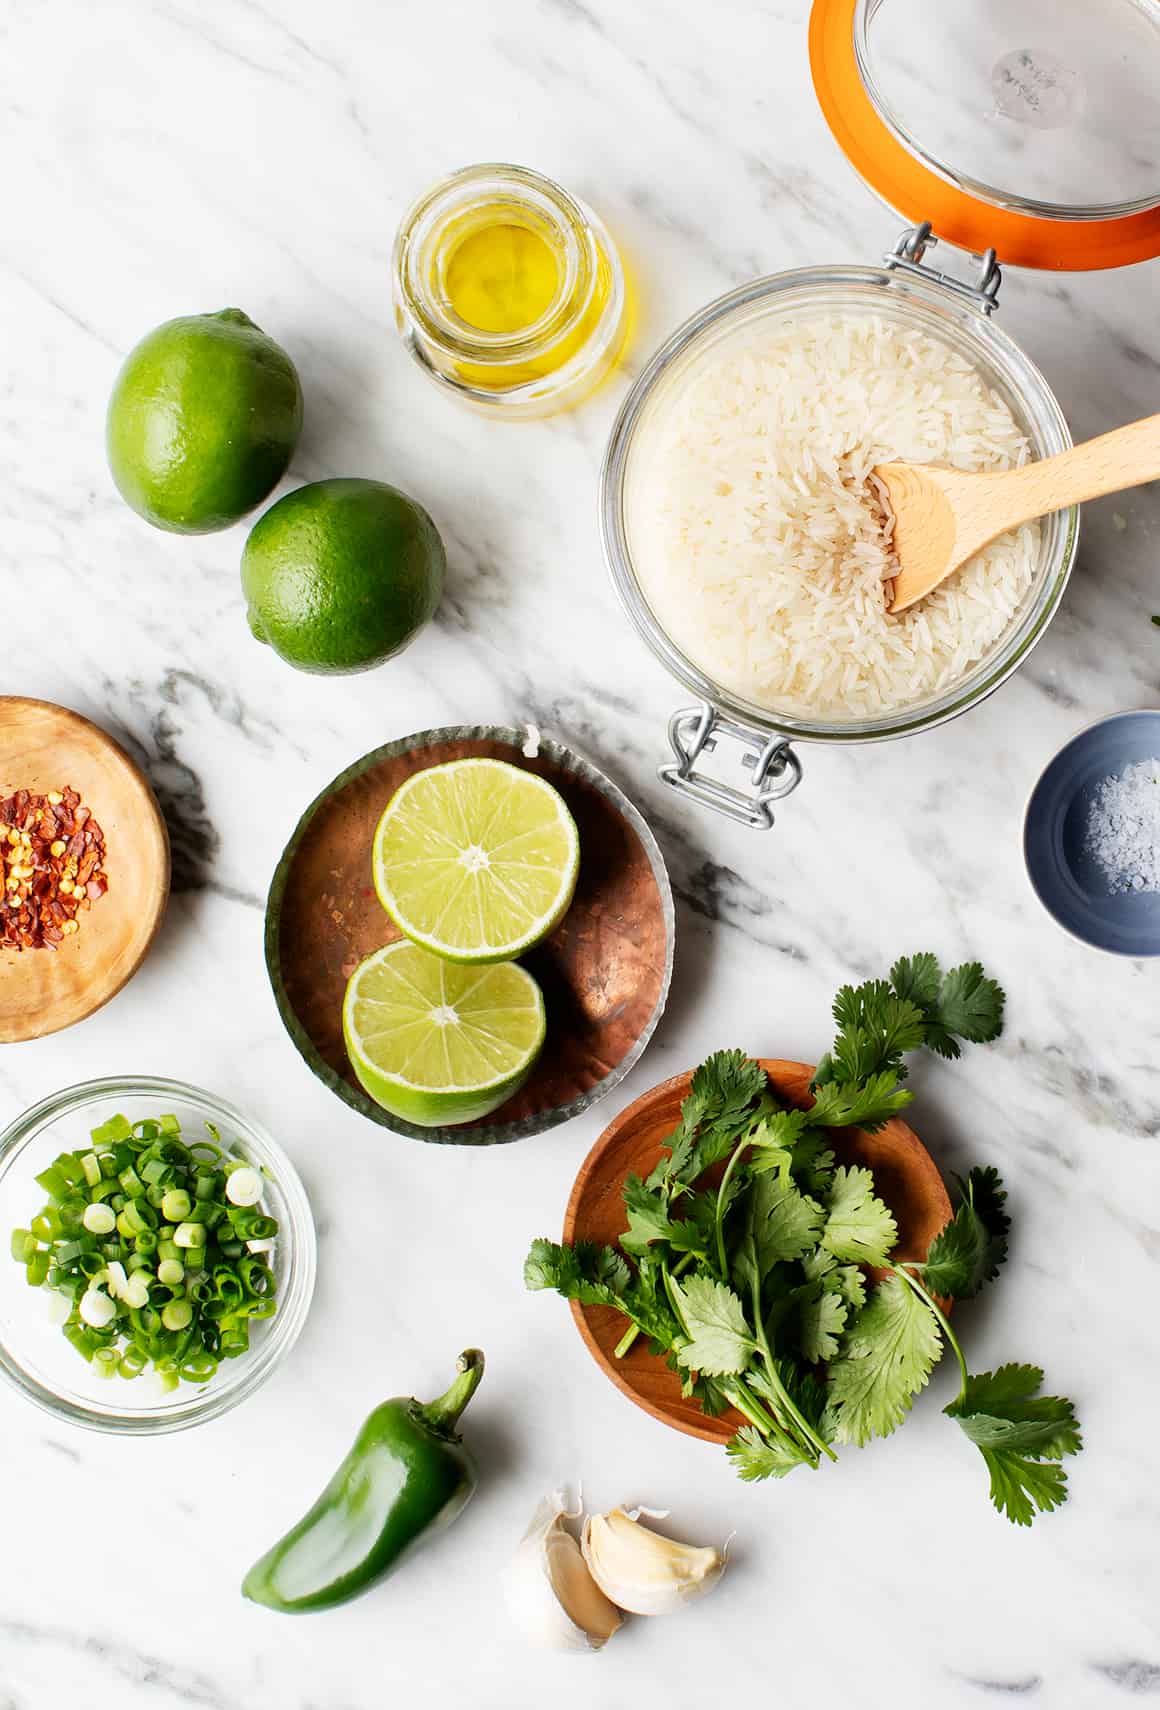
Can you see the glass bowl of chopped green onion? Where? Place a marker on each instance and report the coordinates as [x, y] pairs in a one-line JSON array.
[[159, 1255]]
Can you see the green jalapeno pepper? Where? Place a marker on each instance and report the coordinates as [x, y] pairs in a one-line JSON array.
[[407, 1476]]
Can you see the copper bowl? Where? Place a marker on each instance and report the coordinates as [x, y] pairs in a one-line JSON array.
[[905, 1175], [604, 972]]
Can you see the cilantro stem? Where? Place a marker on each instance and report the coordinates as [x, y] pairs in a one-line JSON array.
[[719, 1213], [805, 1429], [730, 1386], [745, 1403], [633, 1331], [952, 1340]]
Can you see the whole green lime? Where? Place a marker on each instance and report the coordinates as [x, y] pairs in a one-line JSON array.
[[204, 418], [341, 574]]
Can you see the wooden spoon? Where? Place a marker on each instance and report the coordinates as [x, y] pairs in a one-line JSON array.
[[942, 516]]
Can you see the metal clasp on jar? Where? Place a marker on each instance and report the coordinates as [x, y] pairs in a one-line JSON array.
[[773, 766], [907, 257]]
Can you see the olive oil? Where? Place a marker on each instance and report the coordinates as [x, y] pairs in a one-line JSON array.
[[508, 291], [501, 277]]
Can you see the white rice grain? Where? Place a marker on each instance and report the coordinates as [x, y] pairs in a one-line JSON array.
[[760, 545]]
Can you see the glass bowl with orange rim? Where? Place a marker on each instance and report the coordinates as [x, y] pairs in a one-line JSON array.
[[1014, 130]]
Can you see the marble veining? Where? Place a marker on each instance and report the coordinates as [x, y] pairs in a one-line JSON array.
[[169, 157]]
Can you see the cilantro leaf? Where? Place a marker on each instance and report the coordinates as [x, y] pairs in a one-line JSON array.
[[648, 1216], [812, 1160], [859, 1227], [849, 1282], [694, 1232], [775, 1138], [1020, 1487], [784, 1222], [846, 1280], [876, 1028], [720, 1341], [867, 1105], [721, 1095], [962, 1004], [969, 1251], [593, 1275], [821, 1320], [916, 979], [1022, 1435], [756, 1456], [886, 1359], [971, 1005], [696, 1386], [598, 1276], [1004, 1409]]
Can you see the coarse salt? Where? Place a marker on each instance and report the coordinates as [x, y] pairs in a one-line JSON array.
[[1123, 832]]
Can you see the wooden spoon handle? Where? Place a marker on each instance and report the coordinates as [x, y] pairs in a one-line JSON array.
[[1127, 457]]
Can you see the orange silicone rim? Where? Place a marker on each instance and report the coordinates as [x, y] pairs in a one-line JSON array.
[[919, 193]]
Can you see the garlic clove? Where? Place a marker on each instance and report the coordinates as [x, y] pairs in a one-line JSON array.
[[642, 1571], [551, 1595]]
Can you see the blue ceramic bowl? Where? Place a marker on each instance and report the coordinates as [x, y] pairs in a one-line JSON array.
[[1066, 878]]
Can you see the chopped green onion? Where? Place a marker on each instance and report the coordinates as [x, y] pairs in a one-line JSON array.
[[80, 1339], [176, 1205], [140, 1209], [99, 1218], [37, 1268], [96, 1309], [199, 1367], [52, 1182], [116, 1128]]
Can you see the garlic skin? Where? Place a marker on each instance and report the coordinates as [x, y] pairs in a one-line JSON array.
[[641, 1571], [552, 1597]]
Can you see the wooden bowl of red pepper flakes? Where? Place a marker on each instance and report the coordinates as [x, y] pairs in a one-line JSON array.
[[84, 868]]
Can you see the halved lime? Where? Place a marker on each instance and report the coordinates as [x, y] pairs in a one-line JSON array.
[[437, 1042], [476, 860]]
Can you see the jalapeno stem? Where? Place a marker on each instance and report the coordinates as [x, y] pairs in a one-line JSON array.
[[443, 1414]]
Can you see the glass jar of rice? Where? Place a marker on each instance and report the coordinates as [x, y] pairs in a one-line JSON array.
[[739, 517]]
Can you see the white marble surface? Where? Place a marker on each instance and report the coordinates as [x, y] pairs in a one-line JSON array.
[[173, 156]]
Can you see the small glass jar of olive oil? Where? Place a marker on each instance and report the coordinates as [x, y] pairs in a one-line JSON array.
[[509, 291]]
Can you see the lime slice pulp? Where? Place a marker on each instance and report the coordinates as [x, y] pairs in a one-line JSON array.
[[476, 860], [440, 1042]]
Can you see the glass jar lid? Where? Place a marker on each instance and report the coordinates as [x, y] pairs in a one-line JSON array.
[[1030, 126]]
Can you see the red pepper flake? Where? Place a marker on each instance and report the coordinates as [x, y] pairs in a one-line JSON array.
[[52, 859]]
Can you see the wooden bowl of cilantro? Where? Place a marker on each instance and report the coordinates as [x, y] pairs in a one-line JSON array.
[[764, 1255], [900, 1206]]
